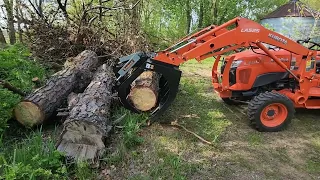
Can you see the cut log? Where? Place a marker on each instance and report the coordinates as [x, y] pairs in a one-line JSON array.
[[40, 104], [144, 91], [86, 127]]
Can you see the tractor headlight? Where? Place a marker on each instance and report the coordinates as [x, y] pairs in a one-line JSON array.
[[236, 63]]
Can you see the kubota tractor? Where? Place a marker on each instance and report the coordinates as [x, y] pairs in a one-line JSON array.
[[270, 72]]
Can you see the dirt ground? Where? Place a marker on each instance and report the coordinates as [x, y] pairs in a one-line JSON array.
[[238, 151]]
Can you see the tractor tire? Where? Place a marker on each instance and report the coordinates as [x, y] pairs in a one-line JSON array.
[[270, 112]]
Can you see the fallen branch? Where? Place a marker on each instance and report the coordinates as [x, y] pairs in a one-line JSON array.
[[117, 121], [174, 123], [8, 86]]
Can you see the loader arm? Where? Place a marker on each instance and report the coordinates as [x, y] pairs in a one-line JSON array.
[[218, 40]]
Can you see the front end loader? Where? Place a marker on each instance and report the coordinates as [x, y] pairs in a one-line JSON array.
[[268, 71]]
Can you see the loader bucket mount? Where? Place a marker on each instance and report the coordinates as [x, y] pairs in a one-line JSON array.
[[130, 67]]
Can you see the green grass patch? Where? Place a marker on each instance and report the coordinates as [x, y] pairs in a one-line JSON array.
[[32, 158], [171, 166], [255, 138], [131, 127], [313, 162], [129, 139], [196, 105]]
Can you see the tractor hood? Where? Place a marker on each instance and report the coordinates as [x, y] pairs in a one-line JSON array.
[[258, 53]]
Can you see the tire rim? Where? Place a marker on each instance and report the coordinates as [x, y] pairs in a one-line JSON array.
[[274, 115]]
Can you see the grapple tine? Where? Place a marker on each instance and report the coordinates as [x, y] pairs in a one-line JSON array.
[[134, 65]]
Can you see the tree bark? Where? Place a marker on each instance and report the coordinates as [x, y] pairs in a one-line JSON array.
[[41, 104], [200, 24], [10, 21], [18, 17], [2, 38], [188, 14], [85, 129], [215, 11], [144, 91]]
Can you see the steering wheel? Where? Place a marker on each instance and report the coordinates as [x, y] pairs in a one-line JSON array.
[[313, 44]]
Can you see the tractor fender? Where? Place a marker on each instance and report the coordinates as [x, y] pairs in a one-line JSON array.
[[268, 78]]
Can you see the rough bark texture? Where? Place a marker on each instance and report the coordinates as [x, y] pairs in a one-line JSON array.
[[86, 127], [8, 4], [40, 105], [2, 38], [144, 91]]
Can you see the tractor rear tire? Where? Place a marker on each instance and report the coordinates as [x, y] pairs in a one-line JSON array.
[[270, 112]]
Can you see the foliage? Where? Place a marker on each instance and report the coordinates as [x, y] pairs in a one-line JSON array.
[[18, 69], [83, 171], [33, 158]]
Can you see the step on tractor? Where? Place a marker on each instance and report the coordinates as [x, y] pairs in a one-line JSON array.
[[273, 74]]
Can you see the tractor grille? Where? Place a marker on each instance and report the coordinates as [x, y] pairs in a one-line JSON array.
[[244, 75], [232, 75]]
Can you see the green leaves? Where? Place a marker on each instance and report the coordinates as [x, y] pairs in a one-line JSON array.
[[166, 21]]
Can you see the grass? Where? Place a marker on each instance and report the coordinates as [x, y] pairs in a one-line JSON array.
[[32, 158], [255, 138]]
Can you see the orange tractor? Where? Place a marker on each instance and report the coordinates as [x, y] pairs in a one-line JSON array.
[[268, 71]]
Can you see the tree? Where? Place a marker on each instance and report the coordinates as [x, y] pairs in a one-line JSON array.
[[188, 15], [2, 38], [201, 10], [10, 20]]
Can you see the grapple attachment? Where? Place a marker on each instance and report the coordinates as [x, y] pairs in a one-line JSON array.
[[130, 67]]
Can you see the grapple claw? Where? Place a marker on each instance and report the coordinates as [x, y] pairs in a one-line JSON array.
[[130, 67]]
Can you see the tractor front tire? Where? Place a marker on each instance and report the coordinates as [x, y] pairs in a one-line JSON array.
[[270, 111]]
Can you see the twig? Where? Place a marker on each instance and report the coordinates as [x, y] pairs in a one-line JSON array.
[[117, 121], [174, 123], [62, 114], [8, 86], [232, 112]]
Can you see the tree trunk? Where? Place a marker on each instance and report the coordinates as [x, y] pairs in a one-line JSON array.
[[10, 21], [188, 14], [2, 38], [215, 11], [18, 17], [200, 24], [86, 128], [41, 104], [144, 91]]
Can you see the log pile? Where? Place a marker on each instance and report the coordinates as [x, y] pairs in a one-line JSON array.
[[86, 89]]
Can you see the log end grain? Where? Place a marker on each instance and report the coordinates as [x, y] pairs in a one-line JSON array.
[[28, 114], [143, 98], [144, 91], [82, 141]]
